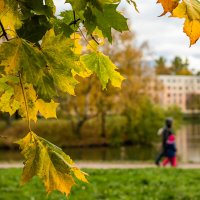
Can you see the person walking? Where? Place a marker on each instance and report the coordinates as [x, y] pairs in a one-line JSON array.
[[164, 132], [170, 151]]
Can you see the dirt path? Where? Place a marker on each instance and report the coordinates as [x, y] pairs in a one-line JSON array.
[[104, 165]]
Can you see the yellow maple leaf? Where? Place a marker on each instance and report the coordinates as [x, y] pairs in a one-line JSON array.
[[190, 11], [192, 29], [168, 5], [47, 110], [49, 163]]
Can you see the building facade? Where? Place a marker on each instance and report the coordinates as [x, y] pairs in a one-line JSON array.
[[183, 91]]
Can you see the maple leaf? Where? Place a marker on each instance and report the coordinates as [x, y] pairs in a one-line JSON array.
[[190, 10], [49, 163], [104, 68], [168, 5], [192, 29], [54, 48], [18, 55], [106, 20]]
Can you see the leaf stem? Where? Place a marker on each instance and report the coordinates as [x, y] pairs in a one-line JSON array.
[[86, 39], [25, 101], [94, 39], [4, 32]]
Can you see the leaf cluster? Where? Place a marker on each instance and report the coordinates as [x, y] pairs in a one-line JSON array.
[[41, 56], [189, 10]]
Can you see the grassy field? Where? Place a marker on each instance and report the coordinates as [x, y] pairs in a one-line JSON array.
[[118, 184]]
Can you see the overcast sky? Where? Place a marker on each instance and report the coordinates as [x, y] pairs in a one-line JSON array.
[[164, 34]]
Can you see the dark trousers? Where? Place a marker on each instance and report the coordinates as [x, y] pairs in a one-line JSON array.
[[159, 157]]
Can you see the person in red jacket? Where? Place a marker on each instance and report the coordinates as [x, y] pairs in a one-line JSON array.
[[170, 152], [164, 132]]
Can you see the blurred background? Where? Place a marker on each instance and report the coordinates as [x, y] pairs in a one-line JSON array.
[[162, 80]]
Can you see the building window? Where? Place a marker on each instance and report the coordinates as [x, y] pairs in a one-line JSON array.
[[168, 87], [180, 88], [168, 95], [174, 101]]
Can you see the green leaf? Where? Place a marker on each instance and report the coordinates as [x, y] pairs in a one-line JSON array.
[[106, 20], [49, 163], [30, 25], [54, 48], [104, 69]]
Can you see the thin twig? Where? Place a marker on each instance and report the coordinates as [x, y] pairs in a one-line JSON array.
[[86, 39], [74, 21], [94, 39]]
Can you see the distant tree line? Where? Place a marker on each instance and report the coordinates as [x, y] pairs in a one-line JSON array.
[[177, 66]]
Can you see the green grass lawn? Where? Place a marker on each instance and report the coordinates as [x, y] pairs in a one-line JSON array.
[[117, 184]]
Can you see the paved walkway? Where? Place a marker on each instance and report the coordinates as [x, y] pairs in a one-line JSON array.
[[104, 165]]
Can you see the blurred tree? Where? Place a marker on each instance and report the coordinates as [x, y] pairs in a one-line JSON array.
[[193, 102], [133, 102], [161, 67], [180, 67]]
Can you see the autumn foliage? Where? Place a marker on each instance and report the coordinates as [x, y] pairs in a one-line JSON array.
[[41, 57], [189, 10]]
